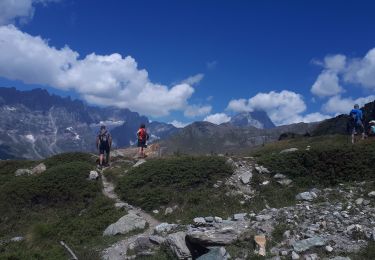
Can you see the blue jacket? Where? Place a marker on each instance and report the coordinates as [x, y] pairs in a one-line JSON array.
[[357, 115]]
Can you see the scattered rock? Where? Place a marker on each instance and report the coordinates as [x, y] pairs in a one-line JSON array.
[[239, 216], [371, 194], [142, 246], [213, 237], [94, 175], [164, 228], [155, 211], [215, 253], [329, 249], [263, 217], [121, 205], [311, 257], [158, 240], [306, 244], [177, 244], [290, 150], [218, 219], [209, 219], [295, 256], [21, 172], [265, 182], [359, 201], [262, 169], [139, 162], [125, 224], [260, 242], [40, 168], [168, 211], [17, 239], [199, 221], [284, 182], [246, 177], [286, 234], [340, 258], [308, 196], [279, 176]]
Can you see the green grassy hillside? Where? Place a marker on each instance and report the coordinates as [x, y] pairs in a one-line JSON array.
[[59, 204]]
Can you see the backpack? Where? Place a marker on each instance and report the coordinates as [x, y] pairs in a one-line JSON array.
[[104, 137], [142, 134]]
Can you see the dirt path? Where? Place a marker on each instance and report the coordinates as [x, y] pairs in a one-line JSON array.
[[118, 250]]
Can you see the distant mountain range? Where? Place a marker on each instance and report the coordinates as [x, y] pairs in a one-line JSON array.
[[35, 124]]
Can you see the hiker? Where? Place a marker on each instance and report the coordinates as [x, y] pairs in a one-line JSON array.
[[371, 131], [356, 120], [142, 137], [103, 144]]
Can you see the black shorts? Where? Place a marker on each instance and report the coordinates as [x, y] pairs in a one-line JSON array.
[[358, 128], [142, 144], [104, 148]]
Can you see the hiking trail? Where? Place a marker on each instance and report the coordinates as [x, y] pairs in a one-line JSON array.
[[118, 250]]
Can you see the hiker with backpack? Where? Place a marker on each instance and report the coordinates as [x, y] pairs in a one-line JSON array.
[[356, 116], [142, 137], [103, 144]]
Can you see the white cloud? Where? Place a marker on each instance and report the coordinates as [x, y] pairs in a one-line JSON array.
[[327, 83], [314, 117], [362, 71], [193, 80], [218, 118], [21, 10], [195, 110], [178, 124], [100, 79], [337, 105], [283, 107]]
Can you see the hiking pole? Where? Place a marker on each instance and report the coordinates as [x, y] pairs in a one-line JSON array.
[[74, 257]]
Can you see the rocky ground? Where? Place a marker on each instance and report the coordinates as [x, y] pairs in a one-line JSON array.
[[331, 223]]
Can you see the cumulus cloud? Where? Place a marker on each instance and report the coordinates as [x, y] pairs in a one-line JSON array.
[[327, 83], [195, 110], [100, 79], [283, 107], [18, 10], [338, 105], [218, 118], [193, 80], [178, 124], [360, 71], [313, 117]]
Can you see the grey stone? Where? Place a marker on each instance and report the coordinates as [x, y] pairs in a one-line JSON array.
[[218, 219], [40, 168], [239, 216], [279, 176], [125, 224], [164, 228], [94, 175], [307, 195], [245, 177], [177, 243], [21, 172], [284, 182], [290, 150], [139, 162], [215, 253], [263, 217], [209, 219], [340, 258], [168, 211], [311, 257], [213, 237], [17, 239], [359, 201], [262, 169], [158, 240], [155, 211], [286, 234], [306, 244], [371, 194], [199, 221], [142, 245], [329, 248], [295, 256]]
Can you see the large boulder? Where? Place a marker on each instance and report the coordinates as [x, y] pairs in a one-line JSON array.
[[40, 168], [213, 237], [21, 172], [215, 253], [308, 196], [125, 224], [177, 243], [306, 244]]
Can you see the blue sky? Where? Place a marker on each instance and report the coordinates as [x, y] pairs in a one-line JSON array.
[[195, 60]]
